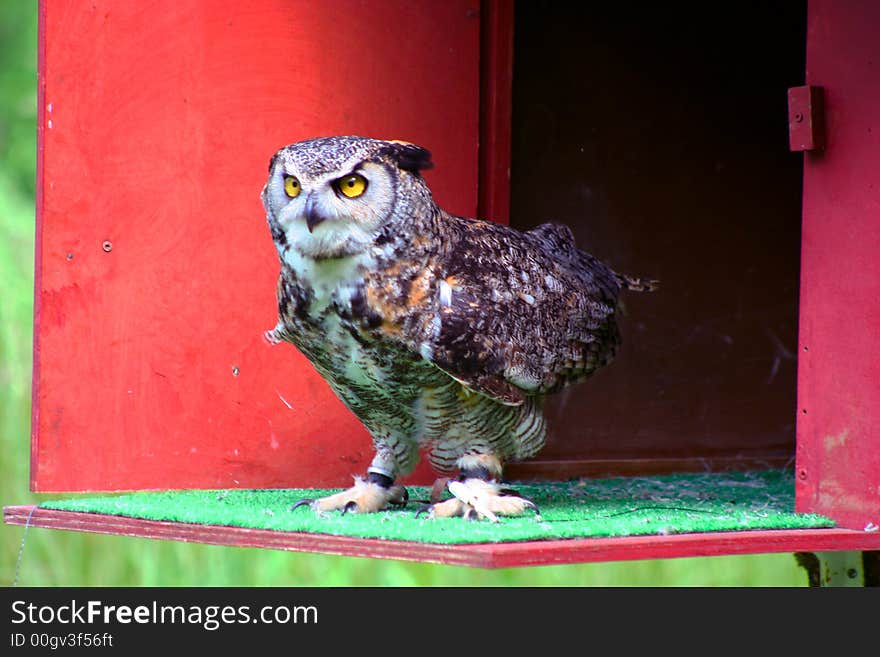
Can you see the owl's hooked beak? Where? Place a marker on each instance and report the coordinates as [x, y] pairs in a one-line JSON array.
[[313, 215]]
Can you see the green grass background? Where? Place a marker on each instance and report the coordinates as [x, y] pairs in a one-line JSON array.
[[53, 558]]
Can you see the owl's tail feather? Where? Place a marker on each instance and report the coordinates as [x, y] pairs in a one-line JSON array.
[[637, 284]]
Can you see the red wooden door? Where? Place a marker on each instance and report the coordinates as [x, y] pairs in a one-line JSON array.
[[155, 269], [838, 453]]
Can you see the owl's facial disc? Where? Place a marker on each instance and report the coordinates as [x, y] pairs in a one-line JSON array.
[[329, 215], [351, 186]]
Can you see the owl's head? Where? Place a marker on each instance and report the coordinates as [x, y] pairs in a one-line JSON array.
[[333, 196]]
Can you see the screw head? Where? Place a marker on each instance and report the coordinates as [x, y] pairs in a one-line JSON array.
[[107, 245], [798, 117]]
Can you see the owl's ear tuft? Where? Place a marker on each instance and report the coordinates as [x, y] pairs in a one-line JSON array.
[[275, 156], [408, 156]]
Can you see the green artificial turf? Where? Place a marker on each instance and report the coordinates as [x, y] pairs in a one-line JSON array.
[[671, 504]]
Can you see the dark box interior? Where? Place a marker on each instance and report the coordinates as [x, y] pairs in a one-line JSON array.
[[658, 133]]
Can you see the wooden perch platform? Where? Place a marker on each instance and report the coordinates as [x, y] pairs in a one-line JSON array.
[[484, 555]]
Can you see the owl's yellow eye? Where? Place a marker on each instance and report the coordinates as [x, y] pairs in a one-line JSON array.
[[291, 186], [352, 185]]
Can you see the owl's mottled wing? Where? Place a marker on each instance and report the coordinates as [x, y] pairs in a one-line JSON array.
[[520, 313]]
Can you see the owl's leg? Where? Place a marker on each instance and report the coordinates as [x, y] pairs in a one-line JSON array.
[[377, 491], [477, 492], [369, 495]]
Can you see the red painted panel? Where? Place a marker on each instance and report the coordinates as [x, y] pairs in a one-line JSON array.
[[838, 453], [157, 123], [496, 108]]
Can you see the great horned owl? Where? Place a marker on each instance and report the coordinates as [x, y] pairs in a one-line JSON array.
[[438, 332]]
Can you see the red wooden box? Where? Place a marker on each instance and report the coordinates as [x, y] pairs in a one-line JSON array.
[[155, 270]]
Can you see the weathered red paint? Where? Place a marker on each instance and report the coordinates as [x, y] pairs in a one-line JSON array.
[[838, 444], [483, 555], [156, 127]]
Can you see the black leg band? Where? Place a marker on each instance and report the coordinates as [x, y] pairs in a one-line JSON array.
[[476, 472], [382, 480]]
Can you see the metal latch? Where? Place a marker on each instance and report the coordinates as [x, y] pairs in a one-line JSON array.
[[806, 119]]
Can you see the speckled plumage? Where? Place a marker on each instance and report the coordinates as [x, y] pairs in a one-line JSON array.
[[435, 330]]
